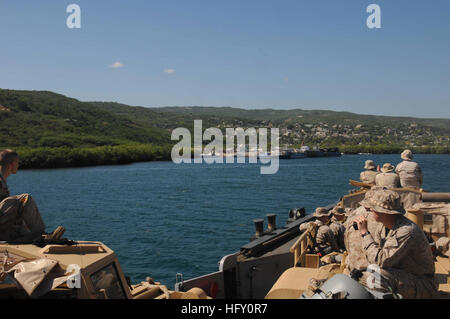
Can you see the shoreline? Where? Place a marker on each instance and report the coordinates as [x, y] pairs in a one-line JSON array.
[[34, 159]]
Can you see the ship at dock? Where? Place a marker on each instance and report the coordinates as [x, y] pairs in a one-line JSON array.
[[285, 153], [305, 152]]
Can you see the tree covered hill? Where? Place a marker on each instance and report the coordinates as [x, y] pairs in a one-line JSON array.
[[45, 119]]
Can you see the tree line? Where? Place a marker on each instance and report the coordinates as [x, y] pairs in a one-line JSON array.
[[59, 157]]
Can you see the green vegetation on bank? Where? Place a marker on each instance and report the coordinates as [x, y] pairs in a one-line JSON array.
[[46, 157]]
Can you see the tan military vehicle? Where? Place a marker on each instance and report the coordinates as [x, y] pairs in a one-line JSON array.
[[73, 270]]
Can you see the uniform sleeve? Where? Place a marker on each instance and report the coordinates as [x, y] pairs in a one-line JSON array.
[[419, 174], [304, 226], [394, 250], [397, 180], [321, 237]]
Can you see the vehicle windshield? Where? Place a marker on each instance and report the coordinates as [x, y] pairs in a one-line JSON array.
[[107, 284]]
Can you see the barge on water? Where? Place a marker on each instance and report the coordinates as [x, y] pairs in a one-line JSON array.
[[305, 152]]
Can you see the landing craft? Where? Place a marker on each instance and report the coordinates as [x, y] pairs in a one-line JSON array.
[[277, 263]]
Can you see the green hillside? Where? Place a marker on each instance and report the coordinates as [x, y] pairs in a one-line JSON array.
[[45, 119], [52, 130]]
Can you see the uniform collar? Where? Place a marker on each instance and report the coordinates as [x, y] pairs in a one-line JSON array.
[[394, 228]]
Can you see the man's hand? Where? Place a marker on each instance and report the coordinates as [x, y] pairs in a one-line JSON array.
[[361, 221]]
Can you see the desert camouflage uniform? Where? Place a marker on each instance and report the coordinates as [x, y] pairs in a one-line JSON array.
[[19, 216], [389, 180], [356, 259], [410, 174], [368, 177], [405, 259], [338, 230], [325, 240]]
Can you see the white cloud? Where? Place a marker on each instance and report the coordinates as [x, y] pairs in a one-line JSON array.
[[116, 65], [169, 71]]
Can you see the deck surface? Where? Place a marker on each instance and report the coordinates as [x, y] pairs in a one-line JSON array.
[[442, 274], [295, 280]]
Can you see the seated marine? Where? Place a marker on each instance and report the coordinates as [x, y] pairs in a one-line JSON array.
[[368, 176], [399, 254], [337, 226], [409, 172], [20, 220], [324, 241], [387, 178]]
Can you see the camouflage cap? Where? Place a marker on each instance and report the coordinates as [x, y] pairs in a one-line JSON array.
[[338, 211], [369, 164], [387, 168], [321, 212], [406, 155], [382, 201]]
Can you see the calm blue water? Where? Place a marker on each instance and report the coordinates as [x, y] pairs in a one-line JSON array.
[[162, 218]]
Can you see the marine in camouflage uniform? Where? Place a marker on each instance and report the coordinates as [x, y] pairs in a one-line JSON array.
[[19, 216], [387, 178], [409, 172], [325, 241], [401, 252], [337, 226], [368, 176]]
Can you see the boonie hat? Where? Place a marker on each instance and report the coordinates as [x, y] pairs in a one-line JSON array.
[[406, 155], [369, 165], [338, 211], [382, 201], [387, 168], [321, 211]]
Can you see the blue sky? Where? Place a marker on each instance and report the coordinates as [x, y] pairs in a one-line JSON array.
[[248, 53]]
